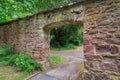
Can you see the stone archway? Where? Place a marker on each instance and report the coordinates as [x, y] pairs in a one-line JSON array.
[[101, 24], [50, 26], [73, 68]]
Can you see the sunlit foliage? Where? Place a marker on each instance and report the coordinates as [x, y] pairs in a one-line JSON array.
[[12, 9]]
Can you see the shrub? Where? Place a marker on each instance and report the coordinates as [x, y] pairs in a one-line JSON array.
[[26, 63], [20, 61], [6, 54]]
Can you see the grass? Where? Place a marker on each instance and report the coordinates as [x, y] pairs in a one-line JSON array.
[[55, 59], [9, 73]]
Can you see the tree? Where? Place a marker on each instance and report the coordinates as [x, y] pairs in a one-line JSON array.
[[65, 35]]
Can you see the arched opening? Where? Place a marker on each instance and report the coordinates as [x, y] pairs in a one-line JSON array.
[[66, 42]]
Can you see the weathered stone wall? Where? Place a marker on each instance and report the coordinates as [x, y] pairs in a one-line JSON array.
[[28, 36], [101, 22], [102, 40]]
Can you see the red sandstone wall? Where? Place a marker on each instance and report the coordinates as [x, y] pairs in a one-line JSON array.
[[102, 40], [28, 36]]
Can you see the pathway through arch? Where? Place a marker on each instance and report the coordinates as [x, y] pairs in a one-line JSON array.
[[72, 69]]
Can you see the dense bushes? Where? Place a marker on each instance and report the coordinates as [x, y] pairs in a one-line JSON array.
[[67, 35], [26, 63], [12, 9], [20, 61]]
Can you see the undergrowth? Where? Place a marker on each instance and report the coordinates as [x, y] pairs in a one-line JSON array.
[[21, 61]]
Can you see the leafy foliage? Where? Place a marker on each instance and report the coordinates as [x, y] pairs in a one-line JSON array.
[[67, 35], [20, 61], [12, 9], [45, 4], [26, 63], [6, 53]]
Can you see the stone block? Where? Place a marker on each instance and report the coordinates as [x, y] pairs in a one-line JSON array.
[[117, 62], [97, 40], [103, 48], [113, 41], [86, 40], [116, 21], [88, 64], [93, 31], [103, 23], [108, 66], [101, 76], [88, 76], [36, 56], [114, 50], [89, 49], [117, 35], [93, 57]]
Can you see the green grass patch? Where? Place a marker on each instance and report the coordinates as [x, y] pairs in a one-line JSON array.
[[55, 59], [22, 76], [9, 73]]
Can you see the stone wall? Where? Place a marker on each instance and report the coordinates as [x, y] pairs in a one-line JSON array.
[[101, 22], [27, 36], [102, 40]]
